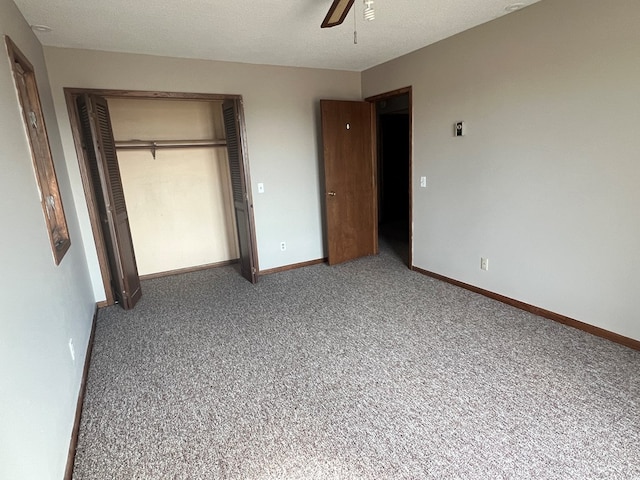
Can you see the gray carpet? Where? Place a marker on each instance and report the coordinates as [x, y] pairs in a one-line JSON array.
[[360, 371]]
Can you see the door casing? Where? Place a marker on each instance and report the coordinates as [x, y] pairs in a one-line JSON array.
[[385, 96]]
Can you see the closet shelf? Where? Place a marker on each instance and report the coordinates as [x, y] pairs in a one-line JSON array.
[[154, 145]]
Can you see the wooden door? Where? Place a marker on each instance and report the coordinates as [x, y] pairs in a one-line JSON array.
[[242, 204], [99, 148], [350, 191]]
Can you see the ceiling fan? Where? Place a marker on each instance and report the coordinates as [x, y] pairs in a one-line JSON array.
[[337, 13], [340, 8]]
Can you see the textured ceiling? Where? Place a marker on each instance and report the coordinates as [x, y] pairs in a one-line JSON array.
[[275, 32]]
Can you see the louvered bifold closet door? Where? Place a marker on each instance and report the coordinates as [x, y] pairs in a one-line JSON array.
[[100, 150], [239, 186]]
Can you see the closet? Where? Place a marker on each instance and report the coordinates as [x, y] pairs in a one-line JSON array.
[[173, 163]]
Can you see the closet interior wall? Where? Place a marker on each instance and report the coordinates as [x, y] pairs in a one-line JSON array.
[[179, 199]]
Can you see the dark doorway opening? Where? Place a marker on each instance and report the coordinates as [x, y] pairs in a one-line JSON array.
[[393, 119]]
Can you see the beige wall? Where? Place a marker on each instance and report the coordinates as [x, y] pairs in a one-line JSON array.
[[44, 306], [282, 120], [545, 184], [179, 203]]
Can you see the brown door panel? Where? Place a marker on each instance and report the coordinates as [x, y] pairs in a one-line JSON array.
[[99, 146], [240, 191], [350, 193]]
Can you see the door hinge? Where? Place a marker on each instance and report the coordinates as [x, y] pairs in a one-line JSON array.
[[254, 271], [33, 120], [50, 203]]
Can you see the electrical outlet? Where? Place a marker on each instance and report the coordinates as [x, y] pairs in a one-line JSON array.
[[283, 246], [423, 182], [484, 263], [72, 350]]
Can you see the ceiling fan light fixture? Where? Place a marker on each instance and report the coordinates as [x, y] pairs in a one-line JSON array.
[[337, 13], [369, 13]]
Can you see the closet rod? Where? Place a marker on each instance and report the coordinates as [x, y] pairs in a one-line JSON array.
[[146, 144], [155, 145]]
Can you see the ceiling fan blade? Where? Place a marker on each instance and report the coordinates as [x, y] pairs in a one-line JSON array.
[[337, 13]]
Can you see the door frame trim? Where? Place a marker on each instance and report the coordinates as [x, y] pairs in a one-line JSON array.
[[384, 96], [70, 96]]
